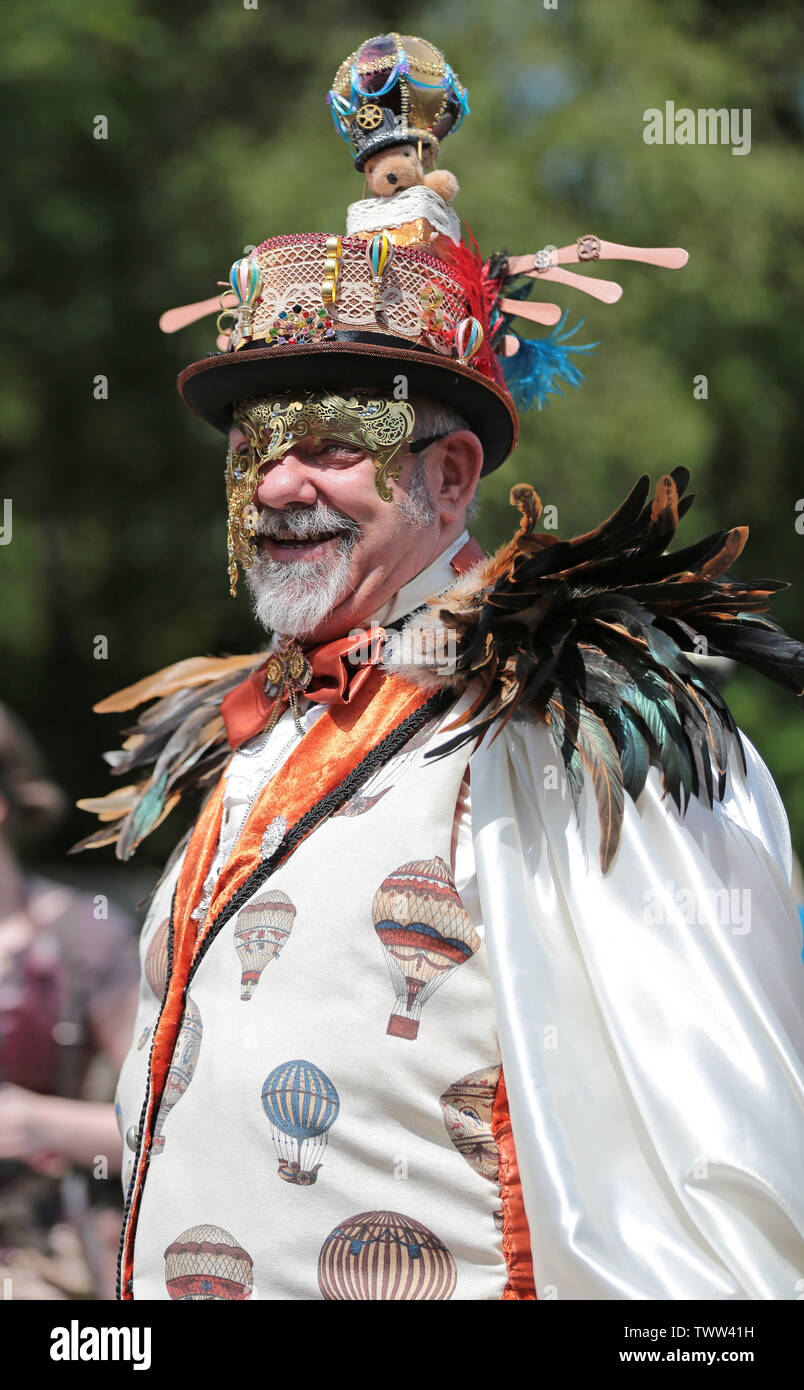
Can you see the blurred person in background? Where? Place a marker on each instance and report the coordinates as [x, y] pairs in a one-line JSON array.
[[68, 976]]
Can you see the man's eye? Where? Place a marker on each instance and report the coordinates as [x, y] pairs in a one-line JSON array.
[[348, 449]]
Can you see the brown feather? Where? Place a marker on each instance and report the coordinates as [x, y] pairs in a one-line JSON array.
[[665, 503], [115, 804], [193, 671], [547, 628], [601, 763], [96, 840], [732, 549]]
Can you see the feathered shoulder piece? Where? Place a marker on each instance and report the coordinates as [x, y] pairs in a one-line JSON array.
[[598, 637], [177, 747]]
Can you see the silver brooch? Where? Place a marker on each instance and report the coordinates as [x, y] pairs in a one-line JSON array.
[[199, 913], [273, 836]]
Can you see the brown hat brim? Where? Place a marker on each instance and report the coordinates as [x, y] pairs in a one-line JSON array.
[[211, 386]]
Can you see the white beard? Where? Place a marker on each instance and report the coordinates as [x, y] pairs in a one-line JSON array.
[[293, 597]]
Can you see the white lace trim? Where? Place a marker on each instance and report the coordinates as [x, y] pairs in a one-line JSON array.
[[372, 214]]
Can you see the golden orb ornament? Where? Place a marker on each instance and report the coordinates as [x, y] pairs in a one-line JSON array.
[[396, 89]]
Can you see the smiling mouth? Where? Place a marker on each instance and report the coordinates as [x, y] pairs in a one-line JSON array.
[[287, 541]]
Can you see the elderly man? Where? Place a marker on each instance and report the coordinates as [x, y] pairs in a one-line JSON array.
[[475, 976], [369, 943]]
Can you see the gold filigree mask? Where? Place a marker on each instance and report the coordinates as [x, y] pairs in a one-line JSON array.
[[379, 426]]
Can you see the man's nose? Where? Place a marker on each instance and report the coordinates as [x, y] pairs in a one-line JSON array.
[[288, 479]]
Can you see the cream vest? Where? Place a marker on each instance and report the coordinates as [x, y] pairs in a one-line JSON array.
[[325, 1131]]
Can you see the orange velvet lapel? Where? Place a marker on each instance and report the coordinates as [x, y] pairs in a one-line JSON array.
[[516, 1233]]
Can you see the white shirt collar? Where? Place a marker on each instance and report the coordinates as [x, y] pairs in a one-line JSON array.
[[434, 580]]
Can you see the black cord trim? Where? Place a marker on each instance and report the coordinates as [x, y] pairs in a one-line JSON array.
[[330, 803]]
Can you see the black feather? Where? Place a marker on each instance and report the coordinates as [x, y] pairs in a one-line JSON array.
[[599, 636]]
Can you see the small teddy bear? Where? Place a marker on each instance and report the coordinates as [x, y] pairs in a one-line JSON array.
[[412, 205], [391, 170]]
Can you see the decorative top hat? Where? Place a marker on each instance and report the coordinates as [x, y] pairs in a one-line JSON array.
[[334, 312], [331, 312]]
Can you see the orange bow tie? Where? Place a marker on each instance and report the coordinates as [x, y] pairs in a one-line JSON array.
[[325, 675]]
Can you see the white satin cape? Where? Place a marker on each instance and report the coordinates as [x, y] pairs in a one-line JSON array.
[[648, 1031]]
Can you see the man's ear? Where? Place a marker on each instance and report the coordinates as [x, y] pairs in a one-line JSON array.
[[459, 464]]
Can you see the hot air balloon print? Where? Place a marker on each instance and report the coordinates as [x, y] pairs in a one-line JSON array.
[[156, 968], [385, 1256], [261, 929], [426, 933], [467, 1106], [180, 1073], [302, 1105], [156, 959], [205, 1263]]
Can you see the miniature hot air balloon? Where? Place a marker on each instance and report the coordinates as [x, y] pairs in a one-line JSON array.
[[180, 1074], [426, 933], [246, 281], [380, 252], [468, 339], [205, 1263], [301, 1104], [261, 929], [382, 1255]]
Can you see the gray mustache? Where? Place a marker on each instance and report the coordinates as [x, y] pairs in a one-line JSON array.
[[306, 521]]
